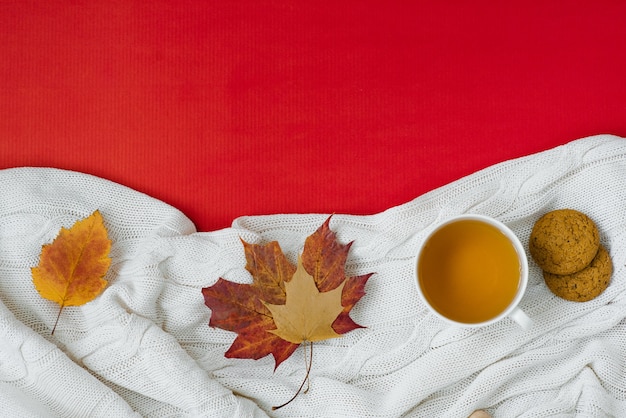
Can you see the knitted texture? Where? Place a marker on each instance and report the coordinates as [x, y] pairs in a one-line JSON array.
[[144, 347]]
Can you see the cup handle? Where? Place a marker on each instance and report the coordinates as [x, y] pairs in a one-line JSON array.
[[521, 318]]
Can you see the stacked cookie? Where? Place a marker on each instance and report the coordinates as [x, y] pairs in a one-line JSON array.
[[565, 243]]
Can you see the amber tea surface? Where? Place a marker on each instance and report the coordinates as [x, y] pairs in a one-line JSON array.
[[469, 271]]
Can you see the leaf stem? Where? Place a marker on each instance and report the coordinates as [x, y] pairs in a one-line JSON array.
[[57, 321], [308, 366], [306, 378]]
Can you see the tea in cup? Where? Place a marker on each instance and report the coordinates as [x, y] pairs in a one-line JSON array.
[[472, 270]]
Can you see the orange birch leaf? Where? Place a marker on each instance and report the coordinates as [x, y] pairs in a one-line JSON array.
[[71, 269]]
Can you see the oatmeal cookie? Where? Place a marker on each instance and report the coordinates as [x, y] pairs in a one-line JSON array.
[[585, 284], [564, 241]]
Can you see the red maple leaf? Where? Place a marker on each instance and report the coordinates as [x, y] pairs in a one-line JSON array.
[[243, 308]]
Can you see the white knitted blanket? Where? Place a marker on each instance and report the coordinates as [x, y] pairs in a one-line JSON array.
[[144, 347]]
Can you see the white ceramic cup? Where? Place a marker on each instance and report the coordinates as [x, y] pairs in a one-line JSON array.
[[511, 310]]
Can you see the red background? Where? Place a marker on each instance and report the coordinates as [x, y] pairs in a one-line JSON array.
[[229, 108]]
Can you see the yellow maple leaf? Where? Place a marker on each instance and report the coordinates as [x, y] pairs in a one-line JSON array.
[[307, 314], [71, 269]]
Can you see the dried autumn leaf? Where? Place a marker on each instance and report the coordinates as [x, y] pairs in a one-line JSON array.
[[286, 305], [71, 269], [258, 312]]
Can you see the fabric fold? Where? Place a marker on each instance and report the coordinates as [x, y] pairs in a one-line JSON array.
[[144, 347]]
